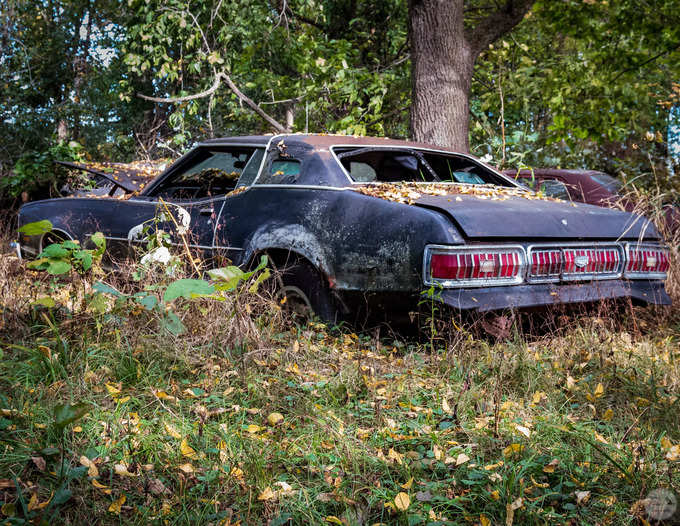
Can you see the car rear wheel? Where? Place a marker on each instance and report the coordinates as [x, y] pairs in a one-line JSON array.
[[302, 292]]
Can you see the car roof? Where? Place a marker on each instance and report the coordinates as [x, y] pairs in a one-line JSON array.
[[323, 141]]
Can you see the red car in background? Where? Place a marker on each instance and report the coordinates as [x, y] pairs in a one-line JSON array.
[[585, 186]]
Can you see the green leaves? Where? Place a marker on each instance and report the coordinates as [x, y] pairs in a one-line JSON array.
[[60, 258], [65, 414], [187, 288], [36, 228]]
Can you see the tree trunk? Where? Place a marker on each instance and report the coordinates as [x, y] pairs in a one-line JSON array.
[[442, 65], [443, 55]]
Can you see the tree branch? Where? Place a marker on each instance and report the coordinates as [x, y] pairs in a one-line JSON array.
[[497, 24], [172, 100], [222, 76]]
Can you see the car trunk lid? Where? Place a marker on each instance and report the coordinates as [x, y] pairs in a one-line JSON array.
[[521, 218]]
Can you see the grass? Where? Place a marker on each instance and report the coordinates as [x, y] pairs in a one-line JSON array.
[[247, 420]]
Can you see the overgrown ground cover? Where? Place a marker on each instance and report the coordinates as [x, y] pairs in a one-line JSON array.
[[106, 417]]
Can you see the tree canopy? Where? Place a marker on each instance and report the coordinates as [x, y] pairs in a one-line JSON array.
[[576, 83]]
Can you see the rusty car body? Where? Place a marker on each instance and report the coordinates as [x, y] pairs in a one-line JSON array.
[[377, 222]]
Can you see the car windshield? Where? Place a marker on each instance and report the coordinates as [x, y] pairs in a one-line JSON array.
[[611, 184], [390, 165]]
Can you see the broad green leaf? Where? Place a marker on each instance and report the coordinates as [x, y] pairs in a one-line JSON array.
[[172, 323], [36, 228], [65, 414], [54, 251], [58, 267], [148, 302], [188, 288], [106, 289], [45, 301]]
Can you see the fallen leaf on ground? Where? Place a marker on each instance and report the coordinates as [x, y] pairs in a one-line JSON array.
[[172, 431], [117, 504], [92, 470], [267, 494], [187, 450], [274, 419], [402, 501]]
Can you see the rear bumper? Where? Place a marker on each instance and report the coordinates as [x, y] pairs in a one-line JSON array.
[[544, 294]]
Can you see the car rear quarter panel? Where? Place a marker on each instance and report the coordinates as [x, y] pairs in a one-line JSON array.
[[359, 242]]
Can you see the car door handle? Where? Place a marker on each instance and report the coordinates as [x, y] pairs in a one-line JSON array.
[[206, 211]]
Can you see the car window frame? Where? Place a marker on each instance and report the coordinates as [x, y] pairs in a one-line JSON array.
[[468, 157], [182, 162]]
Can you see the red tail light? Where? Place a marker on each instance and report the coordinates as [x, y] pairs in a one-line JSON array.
[[480, 265], [646, 261], [546, 264]]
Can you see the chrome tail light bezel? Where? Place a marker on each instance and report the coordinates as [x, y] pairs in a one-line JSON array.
[[638, 274], [524, 256], [517, 279], [580, 276]]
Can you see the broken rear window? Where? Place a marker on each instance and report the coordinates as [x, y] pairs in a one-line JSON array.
[[389, 165]]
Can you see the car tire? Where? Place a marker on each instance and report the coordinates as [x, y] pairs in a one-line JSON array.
[[302, 292]]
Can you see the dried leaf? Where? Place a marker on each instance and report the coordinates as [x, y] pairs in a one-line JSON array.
[[117, 504], [550, 467], [582, 496], [101, 487], [187, 450], [407, 484], [524, 430], [122, 470], [92, 470], [186, 468], [267, 494], [599, 390], [274, 419], [252, 429], [39, 463], [333, 520], [402, 501], [462, 458], [172, 431], [157, 487]]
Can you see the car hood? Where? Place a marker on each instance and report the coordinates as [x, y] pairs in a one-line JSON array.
[[521, 218]]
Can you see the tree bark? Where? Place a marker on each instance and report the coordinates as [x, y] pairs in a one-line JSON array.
[[441, 73], [443, 55]]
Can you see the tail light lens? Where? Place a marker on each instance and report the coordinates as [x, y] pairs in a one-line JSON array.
[[646, 261], [481, 265], [546, 264]]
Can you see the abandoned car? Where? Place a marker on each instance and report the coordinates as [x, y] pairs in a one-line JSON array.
[[377, 222]]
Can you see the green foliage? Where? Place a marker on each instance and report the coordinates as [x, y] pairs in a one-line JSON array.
[[66, 414], [61, 258], [37, 228], [581, 85], [36, 172], [188, 289]]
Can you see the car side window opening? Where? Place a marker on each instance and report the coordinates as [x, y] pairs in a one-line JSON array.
[[367, 165], [281, 171], [251, 169], [212, 173]]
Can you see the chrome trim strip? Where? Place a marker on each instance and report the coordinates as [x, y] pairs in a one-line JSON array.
[[203, 247], [476, 282], [264, 157], [639, 274], [421, 149]]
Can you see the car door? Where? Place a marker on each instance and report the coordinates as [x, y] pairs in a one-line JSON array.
[[189, 200]]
